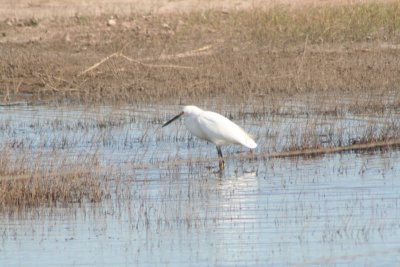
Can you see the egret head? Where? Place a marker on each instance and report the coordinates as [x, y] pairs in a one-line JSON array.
[[187, 110], [192, 110]]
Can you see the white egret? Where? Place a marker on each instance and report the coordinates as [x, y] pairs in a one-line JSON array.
[[214, 128]]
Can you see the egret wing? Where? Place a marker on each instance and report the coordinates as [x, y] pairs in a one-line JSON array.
[[221, 131]]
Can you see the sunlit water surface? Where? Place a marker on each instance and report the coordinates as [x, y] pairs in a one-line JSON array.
[[333, 210]]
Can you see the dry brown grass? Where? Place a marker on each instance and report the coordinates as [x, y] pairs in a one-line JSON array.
[[59, 8], [24, 184], [252, 54], [49, 189]]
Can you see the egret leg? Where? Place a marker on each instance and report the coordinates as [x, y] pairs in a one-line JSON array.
[[221, 160]]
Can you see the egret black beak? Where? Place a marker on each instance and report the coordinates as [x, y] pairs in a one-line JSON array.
[[174, 118]]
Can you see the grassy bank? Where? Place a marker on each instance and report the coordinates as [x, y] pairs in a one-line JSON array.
[[328, 50]]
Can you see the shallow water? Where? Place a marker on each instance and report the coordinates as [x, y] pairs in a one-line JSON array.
[[332, 210]]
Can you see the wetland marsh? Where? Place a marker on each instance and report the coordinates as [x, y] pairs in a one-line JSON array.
[[161, 202], [89, 177]]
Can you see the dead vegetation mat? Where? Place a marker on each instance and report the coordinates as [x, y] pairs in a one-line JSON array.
[[180, 58]]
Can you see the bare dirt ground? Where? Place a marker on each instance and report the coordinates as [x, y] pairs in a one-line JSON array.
[[102, 51]]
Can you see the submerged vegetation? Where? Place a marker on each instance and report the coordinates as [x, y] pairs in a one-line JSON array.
[[78, 154]]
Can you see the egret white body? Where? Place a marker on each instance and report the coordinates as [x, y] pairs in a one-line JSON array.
[[214, 128]]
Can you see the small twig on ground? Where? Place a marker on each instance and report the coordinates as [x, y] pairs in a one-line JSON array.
[[196, 52], [154, 65], [98, 64], [202, 51]]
